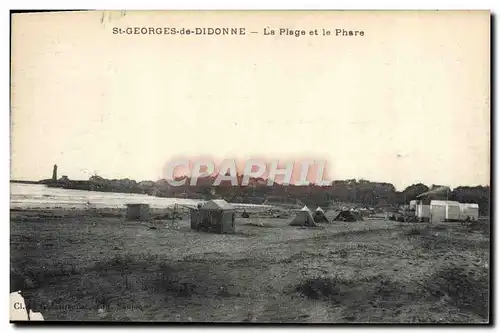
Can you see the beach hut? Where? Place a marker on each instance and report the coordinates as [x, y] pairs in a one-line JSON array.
[[469, 210], [437, 211], [303, 217], [452, 211], [216, 216], [423, 212], [319, 216], [444, 210], [137, 212]]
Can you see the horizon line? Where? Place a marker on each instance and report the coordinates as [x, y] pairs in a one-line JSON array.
[[263, 178]]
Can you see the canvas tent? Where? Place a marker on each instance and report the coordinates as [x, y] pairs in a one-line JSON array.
[[319, 216], [214, 216], [347, 216], [303, 217], [331, 215]]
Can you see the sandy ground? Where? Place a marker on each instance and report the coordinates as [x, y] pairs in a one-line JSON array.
[[81, 265]]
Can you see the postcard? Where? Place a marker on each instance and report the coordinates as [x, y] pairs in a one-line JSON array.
[[322, 167]]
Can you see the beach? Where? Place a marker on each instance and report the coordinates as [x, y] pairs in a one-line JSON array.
[[92, 264], [38, 196]]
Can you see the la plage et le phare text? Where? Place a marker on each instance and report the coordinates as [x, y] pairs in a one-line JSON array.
[[267, 31]]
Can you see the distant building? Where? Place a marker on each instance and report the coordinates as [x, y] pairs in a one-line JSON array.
[[64, 179]]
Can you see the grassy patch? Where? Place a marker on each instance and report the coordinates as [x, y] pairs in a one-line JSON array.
[[443, 243], [29, 274], [419, 231], [482, 226], [462, 288], [125, 262], [377, 296], [326, 289]]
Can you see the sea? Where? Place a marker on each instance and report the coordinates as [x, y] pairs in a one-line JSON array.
[[39, 196]]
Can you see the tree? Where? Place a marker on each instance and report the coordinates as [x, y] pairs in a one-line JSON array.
[[411, 192]]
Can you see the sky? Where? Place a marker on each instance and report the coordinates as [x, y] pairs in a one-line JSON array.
[[408, 102]]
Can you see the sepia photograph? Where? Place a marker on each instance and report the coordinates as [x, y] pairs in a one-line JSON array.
[[253, 167]]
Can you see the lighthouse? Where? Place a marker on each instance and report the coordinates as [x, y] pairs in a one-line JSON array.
[[54, 173]]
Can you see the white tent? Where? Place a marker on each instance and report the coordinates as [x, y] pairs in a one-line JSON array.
[[303, 217], [319, 216]]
